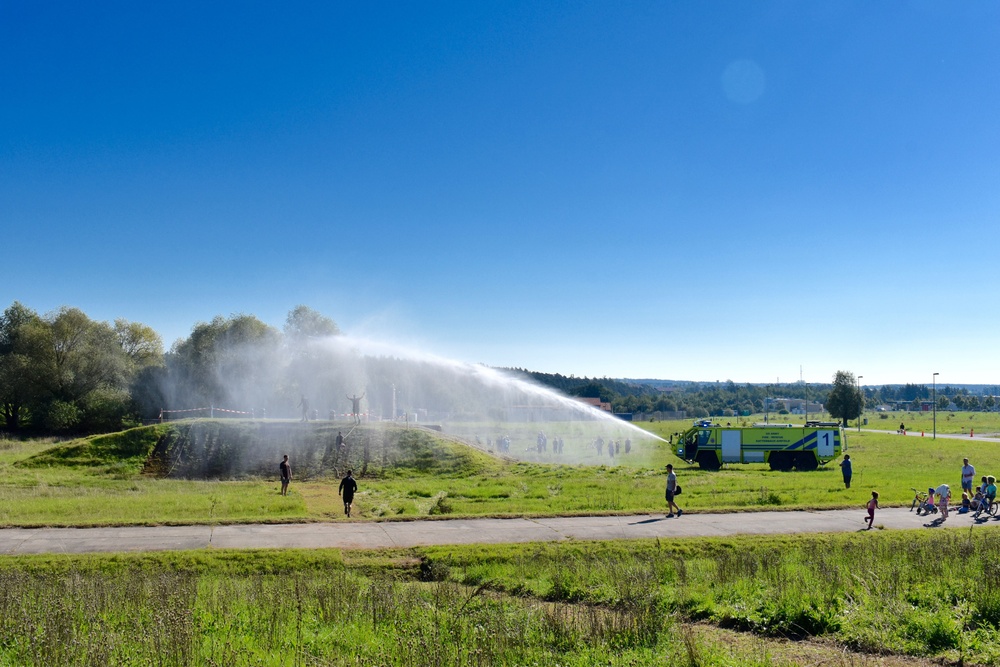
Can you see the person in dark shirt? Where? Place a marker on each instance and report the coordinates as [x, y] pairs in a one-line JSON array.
[[845, 468], [286, 475], [346, 491]]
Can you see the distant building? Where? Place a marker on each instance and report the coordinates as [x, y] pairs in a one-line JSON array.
[[796, 406], [595, 403]]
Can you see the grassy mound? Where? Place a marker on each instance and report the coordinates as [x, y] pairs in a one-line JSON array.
[[228, 449], [121, 453]]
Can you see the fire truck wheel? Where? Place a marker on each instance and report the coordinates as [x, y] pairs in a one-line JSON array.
[[806, 461]]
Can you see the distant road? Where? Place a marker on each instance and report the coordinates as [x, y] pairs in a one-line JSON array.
[[402, 534], [927, 434]]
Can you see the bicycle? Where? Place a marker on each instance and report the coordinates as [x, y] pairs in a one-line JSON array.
[[921, 501], [988, 505]]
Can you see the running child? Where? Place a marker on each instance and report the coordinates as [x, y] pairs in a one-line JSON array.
[[872, 506]]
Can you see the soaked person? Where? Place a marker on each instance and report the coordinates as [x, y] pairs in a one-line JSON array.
[[356, 406]]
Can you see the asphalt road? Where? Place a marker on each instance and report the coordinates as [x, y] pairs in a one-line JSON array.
[[397, 534], [927, 434]]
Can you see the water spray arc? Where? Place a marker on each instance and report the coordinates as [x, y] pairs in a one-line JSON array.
[[483, 406]]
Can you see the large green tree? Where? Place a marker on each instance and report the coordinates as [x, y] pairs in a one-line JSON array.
[[141, 344], [27, 363], [93, 374], [65, 372], [303, 322], [845, 400], [223, 363]]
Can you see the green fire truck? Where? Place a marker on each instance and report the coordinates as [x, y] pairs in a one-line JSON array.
[[782, 446]]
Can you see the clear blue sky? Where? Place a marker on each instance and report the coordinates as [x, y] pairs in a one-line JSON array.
[[686, 190]]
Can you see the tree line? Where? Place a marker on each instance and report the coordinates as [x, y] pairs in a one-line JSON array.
[[63, 372], [718, 399], [698, 399]]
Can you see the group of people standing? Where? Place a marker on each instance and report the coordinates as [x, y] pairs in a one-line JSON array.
[[983, 495], [314, 414], [614, 446], [542, 441]]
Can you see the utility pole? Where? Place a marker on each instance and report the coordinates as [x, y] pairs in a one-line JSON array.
[[934, 400], [861, 397]]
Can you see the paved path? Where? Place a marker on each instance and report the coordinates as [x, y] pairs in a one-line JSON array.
[[395, 534], [927, 434]]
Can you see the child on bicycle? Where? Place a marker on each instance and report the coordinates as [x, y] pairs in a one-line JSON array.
[[928, 505]]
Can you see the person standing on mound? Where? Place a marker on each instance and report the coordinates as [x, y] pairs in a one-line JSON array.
[[346, 491], [671, 489], [356, 406]]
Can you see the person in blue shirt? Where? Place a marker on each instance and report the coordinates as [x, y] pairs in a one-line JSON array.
[[845, 468]]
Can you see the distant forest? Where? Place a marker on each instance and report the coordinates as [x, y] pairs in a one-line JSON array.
[[704, 399]]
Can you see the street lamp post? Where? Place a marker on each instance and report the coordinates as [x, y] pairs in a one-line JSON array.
[[934, 399], [861, 409]]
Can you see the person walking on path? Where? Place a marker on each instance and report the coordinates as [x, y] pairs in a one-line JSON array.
[[944, 494], [968, 476], [872, 506], [671, 491], [845, 468], [286, 475], [346, 491], [304, 404]]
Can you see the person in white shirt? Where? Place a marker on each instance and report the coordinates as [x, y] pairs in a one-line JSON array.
[[944, 495], [968, 476], [671, 491]]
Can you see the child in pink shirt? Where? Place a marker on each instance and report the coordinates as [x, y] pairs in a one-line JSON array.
[[872, 506]]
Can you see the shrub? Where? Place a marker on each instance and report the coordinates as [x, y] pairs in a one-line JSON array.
[[60, 416]]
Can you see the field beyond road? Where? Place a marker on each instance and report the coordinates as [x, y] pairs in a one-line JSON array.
[[225, 472]]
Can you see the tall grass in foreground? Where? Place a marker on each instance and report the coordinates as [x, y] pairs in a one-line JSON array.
[[139, 617], [915, 593], [932, 594]]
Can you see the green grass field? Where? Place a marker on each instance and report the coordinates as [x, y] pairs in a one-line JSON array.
[[915, 597], [114, 480]]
